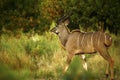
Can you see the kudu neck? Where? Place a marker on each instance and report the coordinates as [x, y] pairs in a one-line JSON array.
[[63, 35]]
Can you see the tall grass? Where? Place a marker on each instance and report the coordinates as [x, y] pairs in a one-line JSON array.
[[41, 57], [37, 54]]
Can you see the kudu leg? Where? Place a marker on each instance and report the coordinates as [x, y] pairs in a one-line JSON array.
[[110, 67], [107, 70], [84, 62], [104, 53], [69, 57]]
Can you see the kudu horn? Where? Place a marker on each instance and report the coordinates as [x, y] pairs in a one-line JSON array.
[[63, 18], [80, 43]]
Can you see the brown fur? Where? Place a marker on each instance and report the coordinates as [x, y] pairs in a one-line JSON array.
[[77, 42]]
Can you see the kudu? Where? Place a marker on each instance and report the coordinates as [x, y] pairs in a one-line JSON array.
[[79, 43]]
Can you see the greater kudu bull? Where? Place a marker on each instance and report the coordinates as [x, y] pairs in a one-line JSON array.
[[76, 43]]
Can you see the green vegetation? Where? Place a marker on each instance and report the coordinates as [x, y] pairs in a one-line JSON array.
[[29, 52], [31, 57], [25, 15], [41, 57]]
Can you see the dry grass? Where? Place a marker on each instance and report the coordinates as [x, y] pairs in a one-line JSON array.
[[42, 58]]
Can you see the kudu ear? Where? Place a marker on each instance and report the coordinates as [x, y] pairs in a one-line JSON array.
[[66, 22]]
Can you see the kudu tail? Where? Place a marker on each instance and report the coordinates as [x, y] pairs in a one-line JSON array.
[[107, 40]]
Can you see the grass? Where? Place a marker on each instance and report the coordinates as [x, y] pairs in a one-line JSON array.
[[40, 57]]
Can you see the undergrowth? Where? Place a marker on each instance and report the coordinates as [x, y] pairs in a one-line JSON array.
[[41, 57]]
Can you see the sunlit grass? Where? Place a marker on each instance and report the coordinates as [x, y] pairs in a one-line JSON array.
[[41, 57]]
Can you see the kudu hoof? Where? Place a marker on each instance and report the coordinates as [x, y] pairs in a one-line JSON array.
[[106, 75]]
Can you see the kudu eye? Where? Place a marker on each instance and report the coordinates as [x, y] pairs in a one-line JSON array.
[[54, 30]]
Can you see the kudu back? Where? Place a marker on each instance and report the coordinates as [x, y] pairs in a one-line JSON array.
[[78, 43]]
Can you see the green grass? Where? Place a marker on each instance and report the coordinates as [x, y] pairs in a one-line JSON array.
[[6, 73], [40, 57]]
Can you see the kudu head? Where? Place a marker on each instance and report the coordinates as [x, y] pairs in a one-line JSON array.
[[60, 24]]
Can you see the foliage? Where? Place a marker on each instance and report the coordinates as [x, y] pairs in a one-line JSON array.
[[93, 14], [7, 74], [87, 14], [25, 55], [35, 44], [32, 56], [20, 14], [40, 57]]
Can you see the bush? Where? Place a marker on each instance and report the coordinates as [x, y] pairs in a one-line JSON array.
[[42, 45], [29, 53], [7, 73], [40, 57]]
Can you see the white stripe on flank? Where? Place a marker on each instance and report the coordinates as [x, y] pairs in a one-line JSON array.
[[99, 39], [78, 41], [92, 39], [105, 38], [82, 41]]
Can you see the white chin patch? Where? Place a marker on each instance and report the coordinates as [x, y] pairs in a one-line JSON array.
[[56, 32]]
